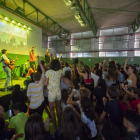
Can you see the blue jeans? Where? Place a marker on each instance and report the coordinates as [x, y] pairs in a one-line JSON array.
[[8, 73]]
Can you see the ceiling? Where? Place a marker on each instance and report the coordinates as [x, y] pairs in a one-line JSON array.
[[106, 13]]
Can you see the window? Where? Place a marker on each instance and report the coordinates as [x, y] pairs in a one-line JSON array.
[[112, 54], [136, 53]]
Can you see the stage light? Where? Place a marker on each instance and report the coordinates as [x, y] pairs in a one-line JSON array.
[[68, 2], [24, 26], [19, 24], [29, 28], [13, 21], [6, 18]]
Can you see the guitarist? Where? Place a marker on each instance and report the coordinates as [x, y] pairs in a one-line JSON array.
[[6, 62]]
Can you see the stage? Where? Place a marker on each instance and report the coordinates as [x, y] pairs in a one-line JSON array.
[[5, 96]]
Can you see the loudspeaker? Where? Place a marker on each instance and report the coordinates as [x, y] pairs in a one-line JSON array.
[[75, 60]]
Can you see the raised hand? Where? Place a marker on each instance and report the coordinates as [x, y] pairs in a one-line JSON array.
[[104, 60], [126, 60], [81, 63]]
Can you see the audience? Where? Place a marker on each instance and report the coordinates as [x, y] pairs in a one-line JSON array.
[[17, 95], [131, 124], [52, 82], [116, 108], [17, 122], [35, 92], [66, 80], [34, 128], [5, 134], [67, 68]]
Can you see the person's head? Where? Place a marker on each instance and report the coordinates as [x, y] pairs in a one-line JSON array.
[[17, 88], [33, 51], [28, 61], [110, 131], [34, 128], [68, 74], [112, 92], [76, 84], [136, 93], [70, 125], [2, 124], [19, 107], [112, 71], [33, 66], [118, 66], [65, 95], [66, 64], [55, 65], [131, 121], [99, 73], [87, 107], [1, 112], [86, 68], [37, 76], [132, 69], [115, 85], [101, 83], [4, 51], [84, 93]]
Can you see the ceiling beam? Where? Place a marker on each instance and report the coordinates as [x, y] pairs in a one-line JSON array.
[[136, 24], [85, 12], [63, 34], [106, 9], [117, 9]]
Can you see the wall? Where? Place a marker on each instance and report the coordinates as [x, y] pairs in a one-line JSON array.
[[34, 38]]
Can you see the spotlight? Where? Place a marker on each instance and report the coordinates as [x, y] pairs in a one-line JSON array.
[[29, 28], [6, 18], [13, 21], [24, 26], [19, 24]]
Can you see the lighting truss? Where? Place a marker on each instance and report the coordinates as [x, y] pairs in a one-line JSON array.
[[136, 24], [50, 26]]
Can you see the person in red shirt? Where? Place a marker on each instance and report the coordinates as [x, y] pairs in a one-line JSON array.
[[32, 56]]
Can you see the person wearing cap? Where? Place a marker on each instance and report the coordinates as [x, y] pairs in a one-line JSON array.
[[6, 62], [32, 56], [131, 124]]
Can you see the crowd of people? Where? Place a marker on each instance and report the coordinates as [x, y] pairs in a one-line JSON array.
[[101, 102]]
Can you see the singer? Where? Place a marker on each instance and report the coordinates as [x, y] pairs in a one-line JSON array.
[[32, 56]]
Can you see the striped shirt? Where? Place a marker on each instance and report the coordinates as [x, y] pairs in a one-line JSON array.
[[35, 92]]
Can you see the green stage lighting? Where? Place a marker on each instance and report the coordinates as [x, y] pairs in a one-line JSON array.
[[1, 17]]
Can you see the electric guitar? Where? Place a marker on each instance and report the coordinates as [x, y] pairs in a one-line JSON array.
[[13, 65]]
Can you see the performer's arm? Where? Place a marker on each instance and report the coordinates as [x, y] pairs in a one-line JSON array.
[[30, 51], [55, 54]]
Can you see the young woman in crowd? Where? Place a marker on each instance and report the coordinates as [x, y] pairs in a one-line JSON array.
[[87, 115], [65, 96], [72, 127], [124, 102], [76, 90], [133, 76], [35, 130], [52, 82], [110, 76], [17, 95], [87, 77], [66, 80], [98, 93]]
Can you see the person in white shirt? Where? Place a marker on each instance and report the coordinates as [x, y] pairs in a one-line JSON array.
[[6, 62], [66, 68]]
